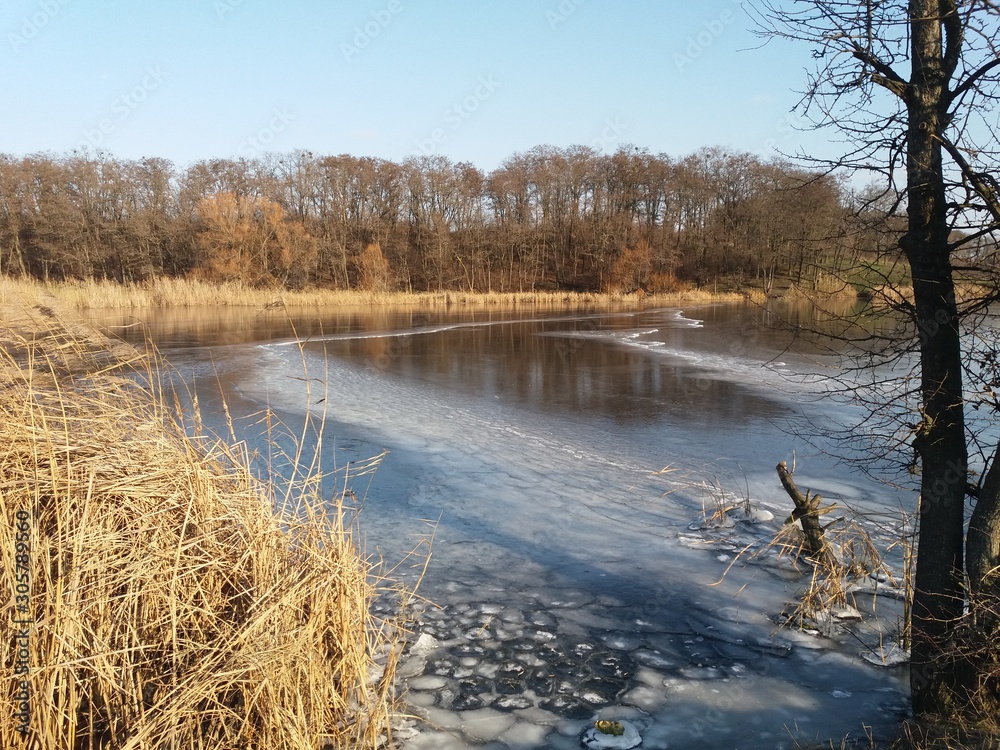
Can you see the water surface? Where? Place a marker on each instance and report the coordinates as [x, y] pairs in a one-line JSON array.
[[532, 447]]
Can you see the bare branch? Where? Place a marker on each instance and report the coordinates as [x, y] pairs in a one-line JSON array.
[[954, 36], [972, 79], [984, 183]]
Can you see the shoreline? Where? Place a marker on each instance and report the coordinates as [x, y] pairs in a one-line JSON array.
[[166, 293]]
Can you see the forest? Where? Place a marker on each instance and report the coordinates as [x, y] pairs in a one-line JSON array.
[[545, 219]]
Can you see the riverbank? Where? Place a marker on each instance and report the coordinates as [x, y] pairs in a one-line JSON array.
[[160, 599], [170, 293]]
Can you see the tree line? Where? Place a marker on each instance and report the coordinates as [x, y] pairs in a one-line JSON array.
[[549, 218]]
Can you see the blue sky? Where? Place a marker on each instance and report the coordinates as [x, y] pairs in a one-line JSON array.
[[472, 80]]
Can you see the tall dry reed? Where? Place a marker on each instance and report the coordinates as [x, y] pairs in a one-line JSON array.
[[157, 597], [167, 292]]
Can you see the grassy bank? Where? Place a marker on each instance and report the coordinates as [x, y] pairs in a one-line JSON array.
[[166, 292], [160, 600]]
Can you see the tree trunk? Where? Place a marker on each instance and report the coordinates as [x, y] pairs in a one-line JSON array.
[[982, 560], [940, 441]]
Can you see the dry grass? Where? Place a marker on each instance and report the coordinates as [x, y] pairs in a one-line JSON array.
[[850, 563], [917, 736], [171, 605], [166, 292], [894, 295], [952, 736], [831, 582], [825, 287]]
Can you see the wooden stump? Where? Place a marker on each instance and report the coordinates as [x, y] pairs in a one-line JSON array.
[[807, 512]]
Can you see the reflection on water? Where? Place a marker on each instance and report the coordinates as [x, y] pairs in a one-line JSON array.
[[713, 364], [530, 446]]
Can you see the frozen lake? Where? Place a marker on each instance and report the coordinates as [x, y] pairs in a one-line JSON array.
[[563, 463]]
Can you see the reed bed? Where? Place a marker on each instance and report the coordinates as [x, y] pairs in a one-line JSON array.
[[158, 597], [900, 295], [825, 287], [169, 292]]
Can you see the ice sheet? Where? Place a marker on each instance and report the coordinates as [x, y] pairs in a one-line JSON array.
[[571, 578]]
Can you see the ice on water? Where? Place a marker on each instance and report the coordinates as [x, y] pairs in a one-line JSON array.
[[572, 582]]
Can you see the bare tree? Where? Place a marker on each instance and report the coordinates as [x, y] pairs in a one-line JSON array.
[[911, 86], [556, 218]]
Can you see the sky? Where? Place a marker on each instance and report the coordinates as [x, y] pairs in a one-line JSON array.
[[473, 80]]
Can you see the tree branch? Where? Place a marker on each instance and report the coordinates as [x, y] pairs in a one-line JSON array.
[[994, 226], [983, 183], [807, 512], [972, 79], [884, 76], [954, 37]]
